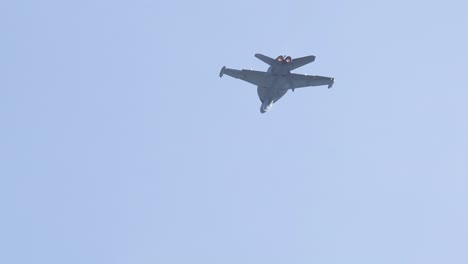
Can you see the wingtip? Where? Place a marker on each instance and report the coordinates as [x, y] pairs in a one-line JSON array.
[[222, 72], [331, 83]]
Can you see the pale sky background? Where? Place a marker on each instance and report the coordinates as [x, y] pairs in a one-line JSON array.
[[119, 143]]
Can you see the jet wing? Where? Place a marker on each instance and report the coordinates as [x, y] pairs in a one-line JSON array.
[[257, 78], [301, 80]]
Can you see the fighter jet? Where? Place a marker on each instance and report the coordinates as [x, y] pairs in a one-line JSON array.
[[278, 79]]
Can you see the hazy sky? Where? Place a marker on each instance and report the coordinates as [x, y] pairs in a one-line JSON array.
[[119, 143]]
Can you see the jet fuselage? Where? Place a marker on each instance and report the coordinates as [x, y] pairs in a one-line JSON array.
[[278, 87]]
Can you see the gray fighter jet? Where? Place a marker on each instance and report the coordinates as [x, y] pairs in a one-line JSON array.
[[274, 83]]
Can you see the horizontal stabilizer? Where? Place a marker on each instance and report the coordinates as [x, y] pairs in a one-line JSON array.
[[299, 62], [265, 59]]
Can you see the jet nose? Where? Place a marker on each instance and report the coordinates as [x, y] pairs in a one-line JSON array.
[[265, 107]]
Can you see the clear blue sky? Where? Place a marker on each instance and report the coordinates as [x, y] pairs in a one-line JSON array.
[[119, 143]]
